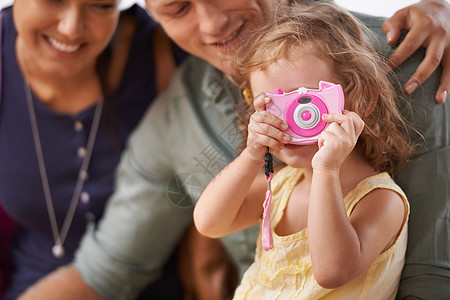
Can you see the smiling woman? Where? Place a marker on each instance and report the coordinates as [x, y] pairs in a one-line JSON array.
[[73, 94]]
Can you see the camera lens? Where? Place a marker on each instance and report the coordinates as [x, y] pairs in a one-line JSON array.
[[306, 116]]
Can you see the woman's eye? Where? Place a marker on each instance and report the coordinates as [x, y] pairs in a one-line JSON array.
[[104, 5], [54, 1], [180, 10]]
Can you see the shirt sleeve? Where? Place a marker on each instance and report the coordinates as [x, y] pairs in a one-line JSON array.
[[140, 226]]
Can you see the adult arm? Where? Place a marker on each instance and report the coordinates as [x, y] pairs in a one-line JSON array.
[[61, 283], [428, 25]]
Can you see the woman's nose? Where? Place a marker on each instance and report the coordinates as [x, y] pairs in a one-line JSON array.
[[71, 23]]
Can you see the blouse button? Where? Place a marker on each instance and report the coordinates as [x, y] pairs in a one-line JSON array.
[[78, 126], [85, 197], [81, 152]]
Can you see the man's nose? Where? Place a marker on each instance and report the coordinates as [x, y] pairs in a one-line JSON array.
[[212, 20]]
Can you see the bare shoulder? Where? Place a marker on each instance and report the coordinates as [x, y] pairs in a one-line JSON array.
[[380, 215], [381, 201], [120, 51]]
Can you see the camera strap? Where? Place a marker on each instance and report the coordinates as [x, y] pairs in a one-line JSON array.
[[266, 236]]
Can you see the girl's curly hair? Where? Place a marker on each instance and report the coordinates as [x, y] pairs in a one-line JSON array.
[[333, 34]]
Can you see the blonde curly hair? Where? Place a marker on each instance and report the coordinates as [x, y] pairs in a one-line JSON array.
[[330, 32]]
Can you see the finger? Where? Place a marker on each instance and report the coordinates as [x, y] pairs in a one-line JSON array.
[[343, 121], [261, 101], [270, 119], [257, 140], [444, 87], [412, 41], [329, 139], [265, 123], [270, 131], [358, 123], [350, 121], [392, 26], [433, 57]]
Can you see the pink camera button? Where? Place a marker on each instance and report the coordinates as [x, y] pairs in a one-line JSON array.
[[306, 115]]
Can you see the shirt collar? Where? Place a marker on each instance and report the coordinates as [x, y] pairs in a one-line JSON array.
[[217, 88]]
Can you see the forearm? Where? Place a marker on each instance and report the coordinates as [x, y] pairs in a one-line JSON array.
[[64, 283], [333, 242], [216, 213]]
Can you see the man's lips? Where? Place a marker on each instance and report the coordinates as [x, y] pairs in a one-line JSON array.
[[231, 37]]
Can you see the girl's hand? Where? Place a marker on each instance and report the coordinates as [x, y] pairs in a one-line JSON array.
[[265, 130], [337, 141], [428, 25]]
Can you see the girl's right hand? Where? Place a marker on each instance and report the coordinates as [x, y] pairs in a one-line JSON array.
[[338, 140], [265, 130]]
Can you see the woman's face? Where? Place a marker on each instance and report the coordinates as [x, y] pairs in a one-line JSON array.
[[211, 29], [64, 36]]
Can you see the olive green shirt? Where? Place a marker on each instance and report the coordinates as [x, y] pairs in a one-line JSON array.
[[189, 135]]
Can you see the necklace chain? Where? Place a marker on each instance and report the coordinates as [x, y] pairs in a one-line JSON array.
[[60, 236]]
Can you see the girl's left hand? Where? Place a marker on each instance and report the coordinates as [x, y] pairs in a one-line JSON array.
[[337, 141]]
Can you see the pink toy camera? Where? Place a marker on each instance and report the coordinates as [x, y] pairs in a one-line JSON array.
[[302, 109]]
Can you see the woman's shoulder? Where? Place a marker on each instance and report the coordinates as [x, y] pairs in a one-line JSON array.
[[139, 13], [8, 27]]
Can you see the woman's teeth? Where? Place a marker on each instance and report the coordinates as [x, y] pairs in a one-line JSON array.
[[63, 47]]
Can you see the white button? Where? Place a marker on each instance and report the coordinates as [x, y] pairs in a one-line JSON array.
[[81, 152], [78, 126], [83, 175], [85, 197]]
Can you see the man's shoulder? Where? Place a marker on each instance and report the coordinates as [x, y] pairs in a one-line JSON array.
[[185, 88], [374, 24], [191, 80], [193, 70], [369, 20]]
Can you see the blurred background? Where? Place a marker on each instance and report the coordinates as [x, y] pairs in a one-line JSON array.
[[384, 8]]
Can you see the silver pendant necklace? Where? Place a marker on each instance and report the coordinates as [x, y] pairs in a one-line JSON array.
[[59, 236]]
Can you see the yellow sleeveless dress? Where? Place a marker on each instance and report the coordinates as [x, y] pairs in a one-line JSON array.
[[285, 271]]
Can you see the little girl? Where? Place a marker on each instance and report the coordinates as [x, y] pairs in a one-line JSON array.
[[338, 220]]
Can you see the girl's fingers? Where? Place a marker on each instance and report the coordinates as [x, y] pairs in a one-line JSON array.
[[262, 129], [265, 141], [349, 121], [260, 102], [268, 130], [269, 119]]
